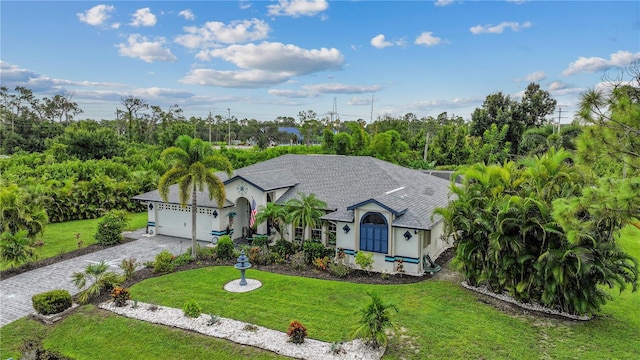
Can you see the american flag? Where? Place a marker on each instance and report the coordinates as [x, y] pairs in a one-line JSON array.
[[254, 211]]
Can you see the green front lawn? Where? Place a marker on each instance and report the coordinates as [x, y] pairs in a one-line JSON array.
[[439, 319], [60, 238]]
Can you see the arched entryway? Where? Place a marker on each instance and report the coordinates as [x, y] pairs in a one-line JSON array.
[[374, 233], [241, 220]]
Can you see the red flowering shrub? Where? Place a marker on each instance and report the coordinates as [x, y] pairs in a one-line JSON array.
[[297, 332]]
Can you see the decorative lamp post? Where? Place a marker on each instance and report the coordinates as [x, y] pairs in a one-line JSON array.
[[242, 265]]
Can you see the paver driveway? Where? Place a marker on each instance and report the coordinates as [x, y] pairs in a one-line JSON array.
[[16, 292]]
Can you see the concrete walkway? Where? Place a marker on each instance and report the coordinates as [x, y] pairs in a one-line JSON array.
[[16, 292]]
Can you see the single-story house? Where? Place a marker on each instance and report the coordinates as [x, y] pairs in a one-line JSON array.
[[372, 206]]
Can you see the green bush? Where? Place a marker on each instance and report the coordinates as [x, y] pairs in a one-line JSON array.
[[51, 302], [340, 270], [315, 250], [110, 228], [183, 259], [260, 255], [260, 240], [284, 248], [298, 262], [191, 309], [206, 252], [225, 248], [163, 262], [365, 260]]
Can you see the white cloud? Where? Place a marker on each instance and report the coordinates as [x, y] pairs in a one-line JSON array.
[[140, 47], [359, 100], [234, 79], [187, 14], [296, 8], [427, 39], [594, 64], [263, 65], [97, 15], [499, 29], [278, 57], [557, 85], [379, 42], [214, 33], [143, 17], [319, 89], [443, 2], [244, 5], [535, 76]]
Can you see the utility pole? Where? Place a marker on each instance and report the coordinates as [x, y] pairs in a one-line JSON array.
[[560, 117], [371, 115], [210, 121], [229, 110]]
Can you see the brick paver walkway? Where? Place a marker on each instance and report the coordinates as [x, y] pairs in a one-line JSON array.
[[16, 292]]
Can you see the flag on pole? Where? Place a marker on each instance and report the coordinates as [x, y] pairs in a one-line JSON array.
[[254, 211]]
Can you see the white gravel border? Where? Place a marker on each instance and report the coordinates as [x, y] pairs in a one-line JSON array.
[[234, 330], [528, 306]]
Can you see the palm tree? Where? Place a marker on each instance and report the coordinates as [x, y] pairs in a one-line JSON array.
[[17, 249], [374, 322], [305, 211], [191, 162], [99, 280], [274, 213]]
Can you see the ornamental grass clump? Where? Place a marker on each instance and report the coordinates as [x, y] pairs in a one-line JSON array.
[[296, 332]]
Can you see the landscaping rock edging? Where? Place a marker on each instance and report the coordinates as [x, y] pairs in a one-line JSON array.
[[237, 332], [528, 306]]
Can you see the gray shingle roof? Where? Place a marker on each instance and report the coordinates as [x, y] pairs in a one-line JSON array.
[[344, 181]]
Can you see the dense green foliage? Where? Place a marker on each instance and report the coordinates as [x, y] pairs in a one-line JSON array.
[[530, 229], [51, 302], [95, 279], [225, 247], [16, 249]]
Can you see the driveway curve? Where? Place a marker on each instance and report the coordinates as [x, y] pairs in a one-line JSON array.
[[16, 291]]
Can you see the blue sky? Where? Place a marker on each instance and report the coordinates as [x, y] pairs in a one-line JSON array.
[[264, 59]]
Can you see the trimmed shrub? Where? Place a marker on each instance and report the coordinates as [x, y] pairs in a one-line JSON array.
[[260, 256], [110, 228], [298, 262], [183, 259], [315, 250], [163, 262], [284, 248], [340, 270], [51, 302], [260, 240], [296, 332], [191, 309], [225, 248], [365, 260]]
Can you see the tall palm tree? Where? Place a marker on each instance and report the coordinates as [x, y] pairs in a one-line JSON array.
[[275, 213], [191, 164], [305, 211]]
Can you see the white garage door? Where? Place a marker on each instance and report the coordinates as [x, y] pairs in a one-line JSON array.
[[173, 220]]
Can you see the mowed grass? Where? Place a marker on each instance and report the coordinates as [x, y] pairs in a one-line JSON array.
[[439, 320], [61, 238]]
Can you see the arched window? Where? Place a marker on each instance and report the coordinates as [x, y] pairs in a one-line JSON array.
[[374, 233]]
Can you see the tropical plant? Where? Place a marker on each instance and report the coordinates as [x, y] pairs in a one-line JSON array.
[[120, 296], [22, 209], [191, 162], [272, 213], [305, 211], [542, 231], [375, 322], [94, 279], [296, 332], [17, 249]]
